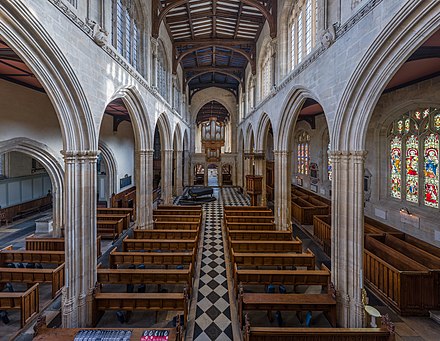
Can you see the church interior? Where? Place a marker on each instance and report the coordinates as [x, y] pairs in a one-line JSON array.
[[244, 170]]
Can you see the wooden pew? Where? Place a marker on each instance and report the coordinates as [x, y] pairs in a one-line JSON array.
[[259, 235], [245, 208], [181, 211], [52, 244], [178, 217], [251, 226], [290, 302], [303, 209], [28, 302], [155, 244], [256, 260], [8, 255], [178, 208], [124, 216], [32, 276], [146, 276], [150, 258], [404, 284], [109, 229], [174, 225], [272, 246], [140, 302], [249, 219], [284, 277], [384, 333], [115, 210], [166, 234], [260, 212]]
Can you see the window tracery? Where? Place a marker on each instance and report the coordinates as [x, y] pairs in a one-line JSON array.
[[415, 136], [303, 153]]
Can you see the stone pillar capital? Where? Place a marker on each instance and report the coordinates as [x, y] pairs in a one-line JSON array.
[[281, 153], [74, 155]]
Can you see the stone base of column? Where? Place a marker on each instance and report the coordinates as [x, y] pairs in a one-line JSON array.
[[351, 313]]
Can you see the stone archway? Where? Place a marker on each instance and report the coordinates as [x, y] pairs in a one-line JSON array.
[[54, 168]]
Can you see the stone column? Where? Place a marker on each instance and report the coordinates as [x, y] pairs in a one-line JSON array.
[[144, 189], [167, 176], [80, 237], [347, 238], [187, 168], [178, 174], [260, 169], [219, 175], [58, 212], [205, 180], [247, 165], [282, 189]]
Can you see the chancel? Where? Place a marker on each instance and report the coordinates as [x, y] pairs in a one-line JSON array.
[[220, 170]]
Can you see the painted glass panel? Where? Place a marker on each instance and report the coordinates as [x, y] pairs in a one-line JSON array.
[[412, 169], [395, 163], [431, 150], [329, 164]]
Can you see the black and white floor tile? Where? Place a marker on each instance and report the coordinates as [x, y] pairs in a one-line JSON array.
[[213, 315]]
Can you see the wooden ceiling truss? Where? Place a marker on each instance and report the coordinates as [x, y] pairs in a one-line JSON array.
[[214, 40]]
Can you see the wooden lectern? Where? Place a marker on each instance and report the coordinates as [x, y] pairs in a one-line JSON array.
[[254, 187]]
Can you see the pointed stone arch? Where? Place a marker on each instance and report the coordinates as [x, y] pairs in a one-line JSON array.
[[26, 36], [112, 166], [289, 115], [263, 128], [249, 142], [414, 24], [54, 167], [138, 114], [164, 127]]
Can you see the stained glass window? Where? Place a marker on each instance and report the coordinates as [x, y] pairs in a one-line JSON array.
[[415, 136], [329, 164], [412, 169], [431, 149], [396, 176], [303, 153]]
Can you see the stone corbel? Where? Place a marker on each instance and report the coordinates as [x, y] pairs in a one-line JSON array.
[[328, 36], [100, 36]]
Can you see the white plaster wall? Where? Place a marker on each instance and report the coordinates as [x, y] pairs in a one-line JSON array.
[[28, 113], [122, 145]]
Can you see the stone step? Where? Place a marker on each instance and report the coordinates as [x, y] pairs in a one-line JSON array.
[[435, 315]]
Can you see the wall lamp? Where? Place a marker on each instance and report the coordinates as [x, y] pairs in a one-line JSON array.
[[405, 210]]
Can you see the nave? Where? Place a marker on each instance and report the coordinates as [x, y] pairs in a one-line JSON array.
[[213, 311]]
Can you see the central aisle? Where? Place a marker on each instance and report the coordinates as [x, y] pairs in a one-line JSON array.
[[213, 313]]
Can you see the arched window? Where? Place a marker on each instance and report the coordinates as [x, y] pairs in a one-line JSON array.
[[126, 31], [414, 156], [302, 31], [303, 153], [162, 73], [266, 73]]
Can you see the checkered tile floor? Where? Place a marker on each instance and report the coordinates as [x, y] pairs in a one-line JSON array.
[[213, 314]]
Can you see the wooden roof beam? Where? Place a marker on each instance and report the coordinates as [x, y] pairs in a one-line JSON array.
[[270, 17]]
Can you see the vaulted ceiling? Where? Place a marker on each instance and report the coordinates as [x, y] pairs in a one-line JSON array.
[[214, 40]]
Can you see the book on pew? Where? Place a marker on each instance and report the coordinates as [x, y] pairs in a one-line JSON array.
[[155, 335]]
